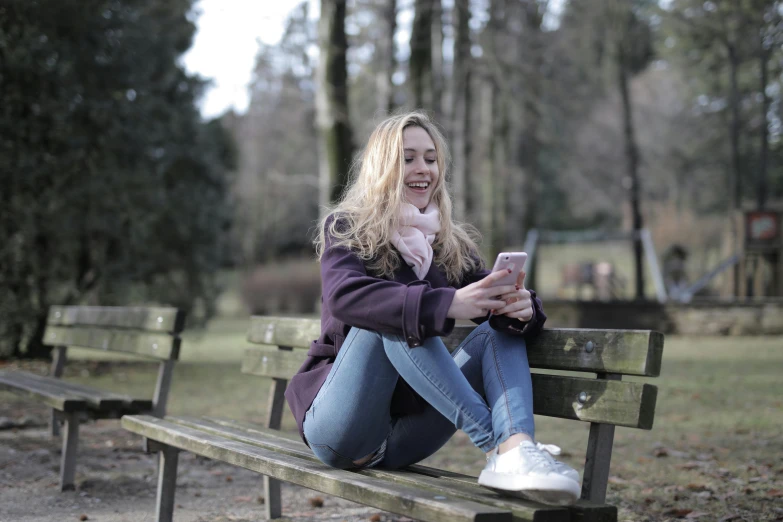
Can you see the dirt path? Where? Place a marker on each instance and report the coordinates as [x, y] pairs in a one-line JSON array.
[[116, 481]]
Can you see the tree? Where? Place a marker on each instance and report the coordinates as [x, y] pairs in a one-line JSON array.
[[114, 189], [336, 140]]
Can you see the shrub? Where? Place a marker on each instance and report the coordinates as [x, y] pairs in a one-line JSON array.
[[291, 287]]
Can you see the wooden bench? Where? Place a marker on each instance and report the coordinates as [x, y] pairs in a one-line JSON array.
[[421, 492], [146, 332]]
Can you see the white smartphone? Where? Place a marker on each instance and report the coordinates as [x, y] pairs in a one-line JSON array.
[[514, 261]]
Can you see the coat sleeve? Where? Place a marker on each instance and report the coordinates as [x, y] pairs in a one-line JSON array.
[[528, 329], [416, 310]]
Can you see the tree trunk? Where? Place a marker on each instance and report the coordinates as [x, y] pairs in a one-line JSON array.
[[761, 186], [488, 170], [529, 148], [735, 128], [632, 165], [460, 112], [387, 59], [336, 141], [421, 56], [437, 88]]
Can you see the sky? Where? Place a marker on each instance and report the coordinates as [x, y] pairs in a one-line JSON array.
[[226, 42]]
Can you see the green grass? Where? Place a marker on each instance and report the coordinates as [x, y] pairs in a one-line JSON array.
[[715, 447]]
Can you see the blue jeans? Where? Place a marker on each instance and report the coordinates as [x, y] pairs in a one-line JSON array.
[[484, 389]]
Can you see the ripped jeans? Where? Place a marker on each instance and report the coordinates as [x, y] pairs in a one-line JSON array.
[[484, 389]]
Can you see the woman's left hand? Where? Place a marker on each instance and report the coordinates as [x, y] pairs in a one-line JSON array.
[[519, 304]]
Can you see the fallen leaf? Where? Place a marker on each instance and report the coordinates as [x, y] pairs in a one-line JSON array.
[[261, 499], [375, 518], [775, 493], [243, 499], [697, 487], [660, 452], [229, 478], [84, 517], [316, 502], [679, 512]]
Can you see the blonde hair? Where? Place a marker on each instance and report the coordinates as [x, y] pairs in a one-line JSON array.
[[369, 211]]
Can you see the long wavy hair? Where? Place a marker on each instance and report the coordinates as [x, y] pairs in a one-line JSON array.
[[369, 210]]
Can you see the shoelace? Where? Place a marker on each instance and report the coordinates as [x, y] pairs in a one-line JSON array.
[[537, 455], [549, 448]]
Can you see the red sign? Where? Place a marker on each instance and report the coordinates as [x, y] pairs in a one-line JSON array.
[[762, 228]]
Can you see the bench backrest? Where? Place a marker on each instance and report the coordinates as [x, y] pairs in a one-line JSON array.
[[149, 332], [601, 399]]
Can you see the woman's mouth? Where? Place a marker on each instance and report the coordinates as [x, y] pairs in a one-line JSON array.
[[418, 186]]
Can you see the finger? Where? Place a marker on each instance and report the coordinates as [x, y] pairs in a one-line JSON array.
[[521, 278], [496, 291], [493, 278], [523, 315], [514, 307], [491, 304]]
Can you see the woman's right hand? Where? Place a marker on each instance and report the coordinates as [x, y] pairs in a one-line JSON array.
[[476, 299]]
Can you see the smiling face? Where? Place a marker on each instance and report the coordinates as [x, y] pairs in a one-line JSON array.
[[421, 166]]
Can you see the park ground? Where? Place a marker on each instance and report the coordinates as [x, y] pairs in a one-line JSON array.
[[714, 454]]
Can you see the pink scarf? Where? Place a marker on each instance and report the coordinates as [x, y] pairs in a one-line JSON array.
[[415, 236]]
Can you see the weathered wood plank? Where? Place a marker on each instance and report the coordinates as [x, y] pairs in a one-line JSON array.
[[468, 490], [627, 352], [457, 484], [621, 403], [153, 319], [157, 346], [13, 382], [96, 398], [345, 484]]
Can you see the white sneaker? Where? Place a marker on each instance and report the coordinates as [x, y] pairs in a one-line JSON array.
[[531, 473], [550, 450]]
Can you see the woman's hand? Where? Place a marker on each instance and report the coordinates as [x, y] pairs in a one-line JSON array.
[[476, 299], [517, 303]]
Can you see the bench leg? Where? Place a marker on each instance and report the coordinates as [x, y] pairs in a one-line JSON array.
[[272, 504], [54, 424], [70, 447], [167, 483]]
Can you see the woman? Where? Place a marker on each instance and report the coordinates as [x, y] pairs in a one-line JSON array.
[[379, 387]]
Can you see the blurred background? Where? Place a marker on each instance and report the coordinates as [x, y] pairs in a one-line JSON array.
[[180, 152]]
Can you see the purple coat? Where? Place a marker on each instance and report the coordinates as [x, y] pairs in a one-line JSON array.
[[414, 308]]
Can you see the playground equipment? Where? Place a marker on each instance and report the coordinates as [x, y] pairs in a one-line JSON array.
[[758, 270], [536, 238]]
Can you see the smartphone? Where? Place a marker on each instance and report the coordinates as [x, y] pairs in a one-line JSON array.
[[514, 261]]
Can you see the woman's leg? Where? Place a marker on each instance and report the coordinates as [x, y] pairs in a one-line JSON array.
[[495, 366], [349, 419]]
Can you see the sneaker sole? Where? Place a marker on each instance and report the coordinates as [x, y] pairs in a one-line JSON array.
[[551, 490]]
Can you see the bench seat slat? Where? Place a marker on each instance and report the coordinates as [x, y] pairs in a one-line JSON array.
[[627, 352], [458, 484], [612, 402], [395, 498], [444, 482], [97, 398], [153, 319], [278, 442], [16, 382], [158, 346]]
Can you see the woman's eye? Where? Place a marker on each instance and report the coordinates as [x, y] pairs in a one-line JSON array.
[[430, 161], [408, 160]]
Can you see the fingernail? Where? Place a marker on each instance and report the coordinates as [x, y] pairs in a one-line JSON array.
[[492, 311], [516, 286], [509, 270]]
